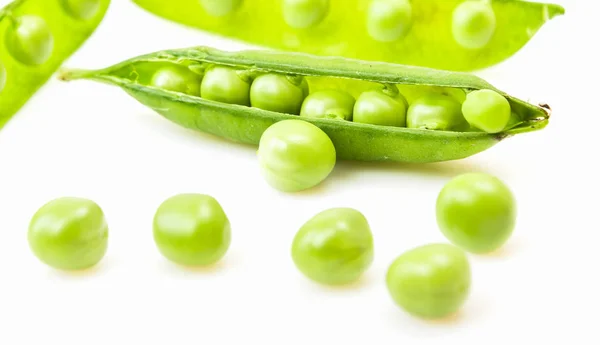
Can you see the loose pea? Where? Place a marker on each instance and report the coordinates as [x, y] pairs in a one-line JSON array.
[[487, 110], [330, 104], [192, 230], [29, 40], [436, 112], [473, 24], [477, 212], [389, 20], [295, 155], [2, 76], [302, 14], [219, 8], [69, 233], [334, 247], [278, 93], [430, 281], [378, 108], [224, 84], [178, 79], [81, 9]]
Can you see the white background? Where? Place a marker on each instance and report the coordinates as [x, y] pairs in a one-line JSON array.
[[92, 140]]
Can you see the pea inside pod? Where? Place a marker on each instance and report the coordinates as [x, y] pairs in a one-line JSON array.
[[372, 128], [37, 36], [460, 35]]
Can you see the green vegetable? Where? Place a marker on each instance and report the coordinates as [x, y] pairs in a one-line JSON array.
[[334, 247], [352, 140], [219, 8], [69, 234], [431, 281], [436, 111], [477, 212], [328, 104], [278, 93], [177, 79], [37, 37], [295, 155], [378, 108], [192, 230], [461, 35], [487, 110]]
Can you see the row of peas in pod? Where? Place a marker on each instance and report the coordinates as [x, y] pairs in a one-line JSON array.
[[476, 212]]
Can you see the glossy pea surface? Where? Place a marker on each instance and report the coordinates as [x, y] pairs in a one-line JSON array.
[[192, 230], [178, 79], [219, 8], [436, 111], [302, 14], [278, 93], [69, 233], [389, 20], [82, 9], [2, 76], [487, 110], [295, 155], [476, 212], [473, 24], [29, 40], [334, 247], [431, 281], [224, 84], [378, 108], [328, 104]]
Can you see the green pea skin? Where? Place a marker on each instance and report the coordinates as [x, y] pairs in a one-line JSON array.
[[431, 281], [335, 247], [473, 24], [177, 79], [278, 93], [389, 20], [192, 230], [379, 108], [329, 104], [81, 9], [295, 155], [225, 85], [2, 77], [436, 112], [69, 234], [487, 110], [476, 212], [219, 8], [29, 40], [302, 14]]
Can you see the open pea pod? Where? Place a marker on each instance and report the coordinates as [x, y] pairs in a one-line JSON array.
[[37, 37], [352, 140], [462, 35]]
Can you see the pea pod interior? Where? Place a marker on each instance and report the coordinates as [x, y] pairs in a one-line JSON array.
[[449, 34], [353, 141]]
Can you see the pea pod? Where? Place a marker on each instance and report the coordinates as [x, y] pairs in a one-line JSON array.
[[37, 37], [461, 35], [352, 140]]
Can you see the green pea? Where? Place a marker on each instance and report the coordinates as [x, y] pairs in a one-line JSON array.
[[328, 104], [477, 212], [81, 9], [192, 230], [302, 14], [224, 84], [278, 93], [69, 233], [2, 76], [379, 108], [487, 110], [177, 79], [389, 20], [295, 155], [29, 40], [430, 281], [473, 24], [436, 111], [334, 247], [219, 8]]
